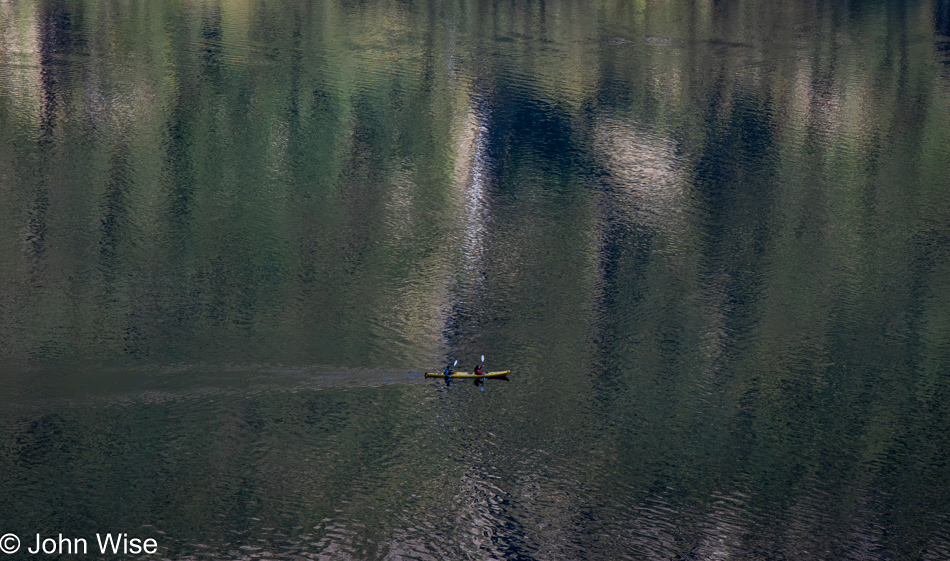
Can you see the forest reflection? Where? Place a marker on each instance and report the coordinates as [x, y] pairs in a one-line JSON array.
[[363, 104], [712, 238]]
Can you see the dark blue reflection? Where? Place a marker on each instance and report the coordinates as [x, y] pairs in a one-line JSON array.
[[517, 130], [941, 11], [211, 43], [56, 40], [942, 17], [113, 208]]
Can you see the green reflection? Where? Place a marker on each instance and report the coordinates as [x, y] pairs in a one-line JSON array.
[[709, 238]]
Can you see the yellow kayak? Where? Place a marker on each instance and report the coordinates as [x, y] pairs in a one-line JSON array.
[[463, 375]]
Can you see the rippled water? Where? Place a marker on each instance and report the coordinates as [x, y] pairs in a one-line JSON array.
[[710, 239]]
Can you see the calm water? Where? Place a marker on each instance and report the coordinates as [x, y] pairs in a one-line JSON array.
[[710, 238]]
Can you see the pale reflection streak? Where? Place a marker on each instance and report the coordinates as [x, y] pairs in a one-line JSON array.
[[476, 211], [645, 175], [649, 192], [834, 108], [471, 175], [21, 88], [478, 499], [20, 71]]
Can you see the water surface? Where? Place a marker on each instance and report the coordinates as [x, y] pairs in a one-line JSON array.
[[711, 240]]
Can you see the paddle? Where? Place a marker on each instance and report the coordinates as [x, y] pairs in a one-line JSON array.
[[482, 387]]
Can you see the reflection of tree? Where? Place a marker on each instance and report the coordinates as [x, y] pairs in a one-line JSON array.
[[736, 211], [790, 178]]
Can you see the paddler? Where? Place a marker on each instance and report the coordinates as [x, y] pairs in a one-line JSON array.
[[479, 381], [448, 372]]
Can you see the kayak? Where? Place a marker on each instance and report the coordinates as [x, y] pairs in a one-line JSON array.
[[464, 375]]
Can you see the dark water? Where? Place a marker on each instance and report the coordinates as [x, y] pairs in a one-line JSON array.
[[711, 239]]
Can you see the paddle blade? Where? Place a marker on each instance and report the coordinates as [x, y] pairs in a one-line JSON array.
[[483, 358]]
